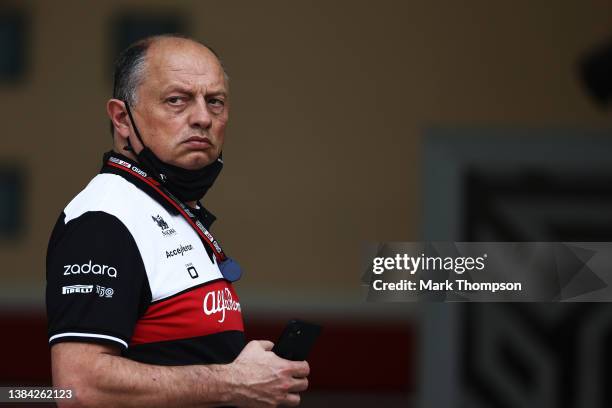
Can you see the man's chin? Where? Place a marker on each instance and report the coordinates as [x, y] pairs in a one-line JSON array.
[[197, 160]]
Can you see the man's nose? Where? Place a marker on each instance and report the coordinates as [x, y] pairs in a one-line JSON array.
[[199, 115]]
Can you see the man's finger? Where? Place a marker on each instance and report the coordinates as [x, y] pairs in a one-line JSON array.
[[300, 384], [300, 369], [292, 400]]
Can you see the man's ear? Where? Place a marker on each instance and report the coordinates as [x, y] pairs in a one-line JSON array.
[[118, 115]]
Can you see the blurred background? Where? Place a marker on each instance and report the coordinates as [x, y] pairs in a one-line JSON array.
[[351, 122]]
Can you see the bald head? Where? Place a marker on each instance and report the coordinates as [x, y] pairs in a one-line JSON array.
[[161, 48]]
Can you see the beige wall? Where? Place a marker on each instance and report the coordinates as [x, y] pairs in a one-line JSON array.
[[329, 102]]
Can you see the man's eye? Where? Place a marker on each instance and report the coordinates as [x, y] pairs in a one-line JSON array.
[[216, 102], [174, 100]]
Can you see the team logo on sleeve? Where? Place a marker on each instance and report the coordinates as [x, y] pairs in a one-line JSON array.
[[163, 225], [90, 267], [104, 292], [66, 290]]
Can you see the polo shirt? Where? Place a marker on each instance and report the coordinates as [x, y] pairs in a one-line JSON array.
[[125, 268]]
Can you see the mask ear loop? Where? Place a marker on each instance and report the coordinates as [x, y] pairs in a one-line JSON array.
[[129, 147]]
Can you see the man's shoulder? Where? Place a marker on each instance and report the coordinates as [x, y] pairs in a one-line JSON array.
[[97, 209], [107, 193]]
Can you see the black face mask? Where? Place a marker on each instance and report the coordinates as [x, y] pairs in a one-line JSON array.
[[186, 185]]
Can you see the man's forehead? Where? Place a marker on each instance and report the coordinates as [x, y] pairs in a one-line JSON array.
[[183, 61]]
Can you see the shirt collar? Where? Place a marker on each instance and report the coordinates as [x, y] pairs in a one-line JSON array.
[[202, 213]]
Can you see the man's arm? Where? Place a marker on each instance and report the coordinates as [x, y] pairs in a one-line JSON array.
[[99, 376]]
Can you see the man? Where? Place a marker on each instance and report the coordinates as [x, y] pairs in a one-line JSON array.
[[140, 302]]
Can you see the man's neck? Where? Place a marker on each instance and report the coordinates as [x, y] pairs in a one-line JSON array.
[[127, 153]]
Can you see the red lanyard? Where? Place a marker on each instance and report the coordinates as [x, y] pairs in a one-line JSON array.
[[184, 210]]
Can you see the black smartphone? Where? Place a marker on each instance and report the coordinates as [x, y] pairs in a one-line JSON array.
[[297, 340]]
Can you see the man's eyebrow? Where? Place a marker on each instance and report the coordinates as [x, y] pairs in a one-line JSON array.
[[220, 92], [189, 90], [176, 87]]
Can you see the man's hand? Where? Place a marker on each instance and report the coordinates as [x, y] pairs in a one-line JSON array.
[[263, 379]]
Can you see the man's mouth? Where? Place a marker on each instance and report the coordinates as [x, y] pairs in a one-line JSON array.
[[198, 142]]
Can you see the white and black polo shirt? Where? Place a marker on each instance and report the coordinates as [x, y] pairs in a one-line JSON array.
[[125, 268]]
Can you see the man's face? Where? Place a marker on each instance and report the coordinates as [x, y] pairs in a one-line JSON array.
[[182, 106]]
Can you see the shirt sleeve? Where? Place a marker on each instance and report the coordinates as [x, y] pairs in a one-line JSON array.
[[97, 286]]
